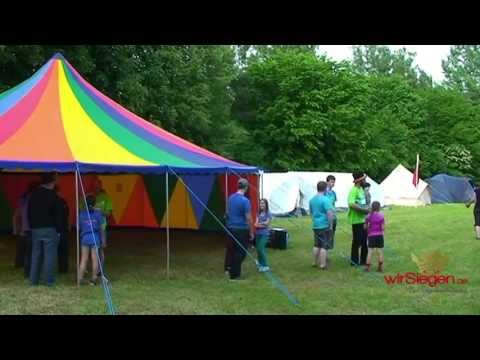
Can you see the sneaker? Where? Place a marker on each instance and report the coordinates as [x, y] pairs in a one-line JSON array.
[[265, 269], [323, 268], [93, 282]]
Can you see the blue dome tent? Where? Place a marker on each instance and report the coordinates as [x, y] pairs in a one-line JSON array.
[[450, 189]]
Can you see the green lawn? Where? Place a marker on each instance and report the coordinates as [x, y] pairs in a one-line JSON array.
[[136, 264]]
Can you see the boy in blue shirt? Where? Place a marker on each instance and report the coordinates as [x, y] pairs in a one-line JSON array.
[[322, 222]]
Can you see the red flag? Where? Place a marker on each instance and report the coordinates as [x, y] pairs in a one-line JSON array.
[[416, 175]]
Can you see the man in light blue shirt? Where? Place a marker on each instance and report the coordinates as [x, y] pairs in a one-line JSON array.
[[322, 220]]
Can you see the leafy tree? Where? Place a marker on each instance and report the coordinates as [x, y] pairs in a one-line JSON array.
[[462, 70], [244, 53], [381, 60], [301, 110]]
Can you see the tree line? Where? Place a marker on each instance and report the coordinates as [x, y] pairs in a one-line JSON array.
[[288, 107]]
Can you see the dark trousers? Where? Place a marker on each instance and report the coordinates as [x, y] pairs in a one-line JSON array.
[[27, 262], [334, 229], [20, 252], [63, 253], [229, 251], [359, 241], [239, 251]]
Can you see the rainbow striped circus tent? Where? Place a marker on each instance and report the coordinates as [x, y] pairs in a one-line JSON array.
[[56, 120]]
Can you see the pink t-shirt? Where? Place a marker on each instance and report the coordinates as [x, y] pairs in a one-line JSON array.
[[374, 221]]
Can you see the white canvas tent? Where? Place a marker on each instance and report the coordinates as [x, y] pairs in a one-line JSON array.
[[343, 184], [281, 190], [288, 191], [398, 189]]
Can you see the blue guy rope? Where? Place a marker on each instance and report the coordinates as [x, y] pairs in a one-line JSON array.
[[105, 283], [275, 281]]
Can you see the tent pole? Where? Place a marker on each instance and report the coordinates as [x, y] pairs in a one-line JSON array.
[[261, 184], [226, 189], [168, 225], [77, 229]]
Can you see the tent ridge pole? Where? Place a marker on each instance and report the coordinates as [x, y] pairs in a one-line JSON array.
[[168, 224], [226, 189], [77, 227]]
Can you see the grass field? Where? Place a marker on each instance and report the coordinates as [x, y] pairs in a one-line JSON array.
[[136, 266]]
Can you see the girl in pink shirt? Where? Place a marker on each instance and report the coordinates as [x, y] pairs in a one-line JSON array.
[[375, 226]]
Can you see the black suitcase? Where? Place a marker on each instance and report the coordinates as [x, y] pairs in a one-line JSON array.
[[278, 239]]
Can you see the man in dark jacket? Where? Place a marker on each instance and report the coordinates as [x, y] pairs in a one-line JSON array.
[[45, 220]]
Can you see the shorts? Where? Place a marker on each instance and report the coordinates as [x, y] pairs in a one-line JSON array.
[[375, 241], [89, 246], [322, 239], [476, 216]]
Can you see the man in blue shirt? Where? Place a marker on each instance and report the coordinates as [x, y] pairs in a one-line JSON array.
[[240, 224], [332, 195], [322, 219]]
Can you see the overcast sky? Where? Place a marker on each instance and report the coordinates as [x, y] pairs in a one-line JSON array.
[[429, 57]]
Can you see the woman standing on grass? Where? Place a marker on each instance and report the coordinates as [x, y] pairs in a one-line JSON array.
[[91, 221], [262, 233], [375, 225]]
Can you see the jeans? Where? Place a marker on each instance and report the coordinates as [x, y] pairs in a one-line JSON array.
[[239, 253], [44, 244], [261, 245]]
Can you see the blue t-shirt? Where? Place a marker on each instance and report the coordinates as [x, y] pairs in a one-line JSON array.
[[263, 217], [238, 208], [97, 219], [319, 205], [332, 195]]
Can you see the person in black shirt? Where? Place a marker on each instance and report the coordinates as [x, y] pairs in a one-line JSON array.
[[63, 245], [21, 227], [45, 221], [476, 211]]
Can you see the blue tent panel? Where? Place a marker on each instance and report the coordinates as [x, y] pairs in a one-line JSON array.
[[450, 189]]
